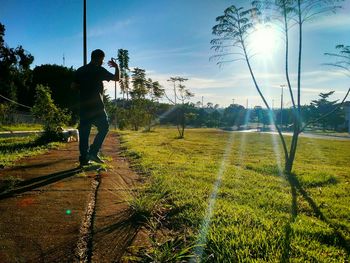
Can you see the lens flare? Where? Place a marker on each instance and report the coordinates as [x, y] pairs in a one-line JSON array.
[[202, 239], [276, 148], [264, 40]]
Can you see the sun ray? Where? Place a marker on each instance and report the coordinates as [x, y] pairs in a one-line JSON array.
[[243, 138], [276, 147], [212, 198]]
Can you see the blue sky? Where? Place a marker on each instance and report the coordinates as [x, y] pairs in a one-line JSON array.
[[171, 38]]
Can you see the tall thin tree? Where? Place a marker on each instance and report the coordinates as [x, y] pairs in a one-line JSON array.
[[236, 25], [123, 59]]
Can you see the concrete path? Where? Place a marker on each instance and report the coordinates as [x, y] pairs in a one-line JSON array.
[[42, 219]]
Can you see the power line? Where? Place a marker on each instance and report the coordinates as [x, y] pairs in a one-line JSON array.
[[15, 102]]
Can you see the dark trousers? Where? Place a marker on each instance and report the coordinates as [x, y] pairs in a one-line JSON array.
[[102, 124]]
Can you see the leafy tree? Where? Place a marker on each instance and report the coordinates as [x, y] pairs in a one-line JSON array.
[[201, 117], [182, 94], [175, 80], [234, 29], [15, 70], [46, 111], [234, 115], [342, 63], [155, 92], [59, 79], [322, 106], [118, 110], [214, 119], [138, 95], [285, 117], [5, 111]]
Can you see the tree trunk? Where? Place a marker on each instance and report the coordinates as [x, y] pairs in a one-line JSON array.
[[183, 124]]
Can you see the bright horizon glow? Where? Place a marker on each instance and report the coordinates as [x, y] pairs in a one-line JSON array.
[[264, 40]]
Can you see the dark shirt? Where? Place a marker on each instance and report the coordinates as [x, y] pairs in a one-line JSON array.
[[89, 78]]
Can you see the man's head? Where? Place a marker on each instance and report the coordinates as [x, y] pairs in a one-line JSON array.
[[97, 56]]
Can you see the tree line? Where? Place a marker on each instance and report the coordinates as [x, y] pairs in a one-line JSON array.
[[140, 105]]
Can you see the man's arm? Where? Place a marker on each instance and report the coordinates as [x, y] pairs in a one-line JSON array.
[[112, 64]]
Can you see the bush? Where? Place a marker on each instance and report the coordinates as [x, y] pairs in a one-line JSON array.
[[5, 111], [52, 116]]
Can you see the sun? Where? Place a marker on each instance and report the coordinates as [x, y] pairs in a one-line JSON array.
[[264, 40]]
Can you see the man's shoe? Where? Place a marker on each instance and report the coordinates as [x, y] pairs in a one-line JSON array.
[[84, 162], [95, 158]]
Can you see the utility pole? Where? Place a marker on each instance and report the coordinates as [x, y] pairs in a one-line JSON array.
[[84, 35], [64, 61], [202, 102]]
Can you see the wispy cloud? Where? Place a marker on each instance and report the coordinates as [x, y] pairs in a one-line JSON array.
[[98, 31], [106, 28], [338, 22], [188, 51]]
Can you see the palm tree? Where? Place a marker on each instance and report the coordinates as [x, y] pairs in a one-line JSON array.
[[123, 59]]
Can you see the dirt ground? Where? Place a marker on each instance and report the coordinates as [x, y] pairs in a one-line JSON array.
[[40, 221]]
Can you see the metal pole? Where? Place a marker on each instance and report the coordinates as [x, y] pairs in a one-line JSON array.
[[84, 35]]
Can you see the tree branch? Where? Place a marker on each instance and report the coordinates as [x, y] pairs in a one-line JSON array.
[[171, 101]]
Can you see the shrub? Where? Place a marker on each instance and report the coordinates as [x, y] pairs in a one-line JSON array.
[[46, 111]]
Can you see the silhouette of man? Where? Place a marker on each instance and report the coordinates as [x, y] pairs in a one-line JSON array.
[[88, 79]]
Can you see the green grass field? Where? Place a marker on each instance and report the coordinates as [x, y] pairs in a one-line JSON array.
[[225, 193], [14, 148], [21, 127]]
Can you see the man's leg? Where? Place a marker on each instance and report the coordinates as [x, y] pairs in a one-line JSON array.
[[102, 124], [84, 133]]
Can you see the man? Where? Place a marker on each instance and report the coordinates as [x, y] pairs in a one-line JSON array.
[[88, 79]]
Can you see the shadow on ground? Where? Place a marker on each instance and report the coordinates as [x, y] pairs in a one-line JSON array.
[[337, 237], [31, 184], [113, 236]]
